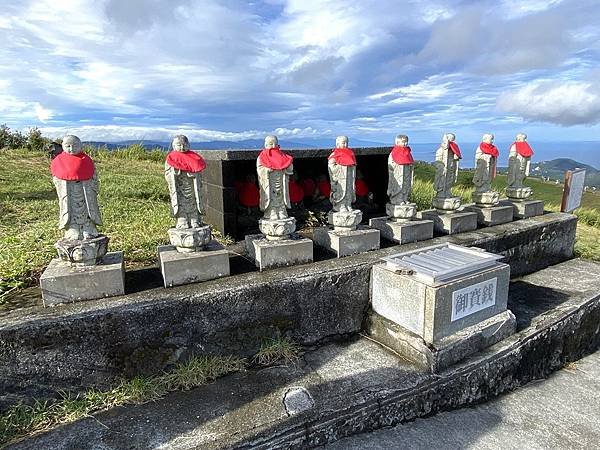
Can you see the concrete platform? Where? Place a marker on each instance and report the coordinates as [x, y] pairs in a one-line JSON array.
[[439, 355], [282, 253], [183, 268], [450, 223], [61, 283], [403, 232], [98, 342], [525, 209], [491, 215], [346, 243], [357, 386], [517, 420]]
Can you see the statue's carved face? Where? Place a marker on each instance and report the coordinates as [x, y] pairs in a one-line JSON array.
[[488, 138], [181, 144], [521, 137], [72, 145], [450, 137], [271, 142], [341, 142], [401, 140]]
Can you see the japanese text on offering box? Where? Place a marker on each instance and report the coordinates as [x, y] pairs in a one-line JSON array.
[[469, 300]]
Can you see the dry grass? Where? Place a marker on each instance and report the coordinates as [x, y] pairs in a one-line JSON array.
[[22, 420]]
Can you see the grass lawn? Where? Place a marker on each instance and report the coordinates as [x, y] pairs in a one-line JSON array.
[[135, 208], [134, 204]]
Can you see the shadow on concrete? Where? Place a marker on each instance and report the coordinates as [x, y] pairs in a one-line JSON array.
[[528, 301]]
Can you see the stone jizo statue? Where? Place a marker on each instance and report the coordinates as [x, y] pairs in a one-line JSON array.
[[447, 159], [274, 169], [519, 163], [486, 160], [74, 176], [183, 169], [400, 181], [341, 165]]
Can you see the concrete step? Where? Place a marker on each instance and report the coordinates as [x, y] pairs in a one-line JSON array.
[[342, 389], [96, 343]]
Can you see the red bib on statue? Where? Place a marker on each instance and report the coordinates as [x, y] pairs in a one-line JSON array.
[[275, 159], [69, 167], [489, 149], [402, 155], [343, 156], [523, 149], [187, 161], [454, 147]]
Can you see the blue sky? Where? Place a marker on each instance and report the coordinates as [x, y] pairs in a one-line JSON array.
[[230, 70]]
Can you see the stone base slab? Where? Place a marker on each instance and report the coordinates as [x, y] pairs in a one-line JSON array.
[[191, 267], [526, 208], [450, 223], [403, 232], [441, 354], [62, 283], [346, 243], [285, 252], [491, 215]]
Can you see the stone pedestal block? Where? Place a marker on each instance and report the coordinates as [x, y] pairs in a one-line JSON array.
[[285, 252], [276, 229], [63, 283], [449, 204], [491, 215], [344, 220], [403, 232], [489, 198], [191, 267], [450, 223], [522, 193], [82, 252], [401, 213], [346, 243], [437, 325], [190, 239], [523, 209], [447, 351]]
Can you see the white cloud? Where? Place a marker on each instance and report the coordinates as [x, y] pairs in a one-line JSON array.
[[559, 102], [427, 90], [42, 113], [115, 133]]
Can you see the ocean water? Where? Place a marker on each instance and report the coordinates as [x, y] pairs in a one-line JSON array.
[[584, 152]]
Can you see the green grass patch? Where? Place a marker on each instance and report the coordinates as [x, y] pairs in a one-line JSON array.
[[22, 420], [277, 350], [133, 198], [135, 207]]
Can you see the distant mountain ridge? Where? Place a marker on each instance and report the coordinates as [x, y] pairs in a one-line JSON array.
[[555, 169], [244, 144]]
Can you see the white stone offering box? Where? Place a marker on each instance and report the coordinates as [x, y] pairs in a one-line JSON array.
[[437, 305]]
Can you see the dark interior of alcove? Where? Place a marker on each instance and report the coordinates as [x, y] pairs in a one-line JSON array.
[[225, 168]]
